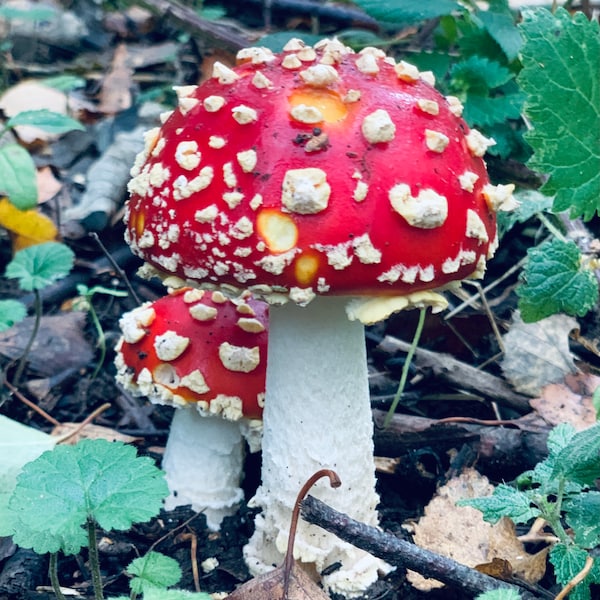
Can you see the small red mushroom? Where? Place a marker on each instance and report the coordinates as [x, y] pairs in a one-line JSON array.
[[204, 354], [340, 187]]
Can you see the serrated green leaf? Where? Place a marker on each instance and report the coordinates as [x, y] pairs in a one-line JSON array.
[[559, 438], [561, 62], [17, 176], [556, 281], [153, 570], [478, 74], [568, 561], [38, 266], [502, 28], [59, 492], [407, 11], [506, 501], [579, 460], [486, 111], [48, 120], [582, 516], [11, 312]]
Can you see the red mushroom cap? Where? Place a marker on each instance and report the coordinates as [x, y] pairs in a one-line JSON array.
[[316, 170], [197, 346]]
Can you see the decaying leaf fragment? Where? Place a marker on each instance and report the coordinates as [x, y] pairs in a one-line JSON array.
[[460, 532]]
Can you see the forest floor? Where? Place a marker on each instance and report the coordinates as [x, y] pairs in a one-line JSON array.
[[459, 410]]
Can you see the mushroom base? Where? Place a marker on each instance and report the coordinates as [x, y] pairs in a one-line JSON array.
[[203, 463], [317, 415]]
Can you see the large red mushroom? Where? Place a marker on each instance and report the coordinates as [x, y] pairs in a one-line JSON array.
[[340, 187], [204, 354]]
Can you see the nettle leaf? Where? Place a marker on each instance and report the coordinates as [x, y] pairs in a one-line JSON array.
[[556, 281], [11, 312], [59, 492], [480, 74], [153, 570], [17, 176], [402, 11], [582, 516], [502, 28], [38, 266], [561, 62], [568, 561], [579, 460], [560, 437], [506, 501], [485, 111], [45, 119]]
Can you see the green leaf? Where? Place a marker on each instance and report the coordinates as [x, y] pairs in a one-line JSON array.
[[11, 312], [153, 570], [63, 489], [582, 516], [502, 28], [579, 460], [559, 438], [17, 176], [407, 11], [556, 281], [159, 594], [568, 561], [276, 41], [531, 202], [499, 594], [561, 62], [478, 74], [506, 501], [38, 266], [485, 111], [64, 83], [48, 120]]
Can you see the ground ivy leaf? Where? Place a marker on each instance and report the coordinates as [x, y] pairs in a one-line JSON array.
[[556, 281], [38, 266], [561, 62], [153, 570], [506, 501], [17, 176], [57, 493], [582, 516], [579, 460]]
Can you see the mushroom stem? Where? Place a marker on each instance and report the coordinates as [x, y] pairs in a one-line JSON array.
[[203, 464], [317, 415]]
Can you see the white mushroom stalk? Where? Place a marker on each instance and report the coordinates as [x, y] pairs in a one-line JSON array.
[[317, 415]]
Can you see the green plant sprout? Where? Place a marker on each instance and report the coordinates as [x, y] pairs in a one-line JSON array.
[[17, 169], [11, 313], [84, 302], [561, 491], [35, 268], [499, 595], [64, 494]]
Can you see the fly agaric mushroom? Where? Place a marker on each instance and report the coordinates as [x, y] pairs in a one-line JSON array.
[[340, 187], [204, 354]]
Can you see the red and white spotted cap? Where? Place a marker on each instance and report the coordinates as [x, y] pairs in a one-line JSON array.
[[315, 171], [197, 346]]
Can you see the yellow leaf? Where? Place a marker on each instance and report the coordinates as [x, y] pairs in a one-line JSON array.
[[28, 227]]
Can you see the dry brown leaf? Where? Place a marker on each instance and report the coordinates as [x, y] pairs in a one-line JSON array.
[[59, 345], [90, 432], [569, 401], [537, 354], [462, 534], [270, 587], [32, 95], [115, 91], [48, 186]]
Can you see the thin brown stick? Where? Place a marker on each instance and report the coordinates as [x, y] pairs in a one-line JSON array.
[[85, 422], [19, 396], [587, 567], [335, 482]]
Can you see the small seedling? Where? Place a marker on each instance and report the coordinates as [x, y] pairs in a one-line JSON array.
[[561, 491], [35, 268], [63, 495], [84, 302]]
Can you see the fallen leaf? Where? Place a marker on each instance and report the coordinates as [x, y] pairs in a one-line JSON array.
[[270, 587], [48, 186], [569, 401], [115, 90], [32, 95], [460, 532], [60, 343], [537, 354], [29, 227]]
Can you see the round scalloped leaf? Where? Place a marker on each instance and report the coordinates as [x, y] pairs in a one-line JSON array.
[[38, 266], [60, 491], [154, 570]]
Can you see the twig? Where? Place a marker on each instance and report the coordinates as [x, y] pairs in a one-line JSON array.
[[587, 567], [401, 553], [86, 421], [19, 396]]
